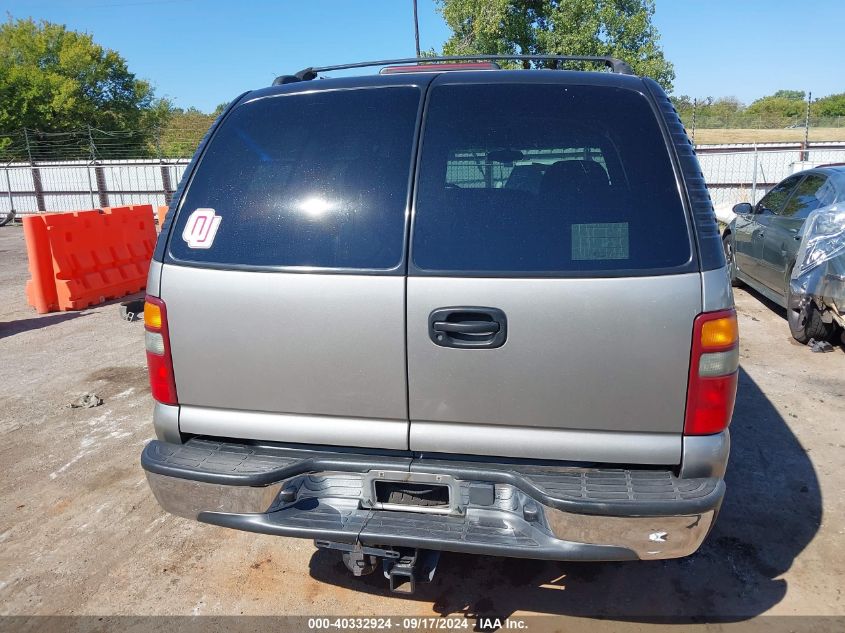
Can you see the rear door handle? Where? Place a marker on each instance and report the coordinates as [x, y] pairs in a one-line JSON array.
[[467, 327], [470, 327]]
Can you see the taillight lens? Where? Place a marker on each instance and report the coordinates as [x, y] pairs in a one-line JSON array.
[[157, 343], [714, 366]]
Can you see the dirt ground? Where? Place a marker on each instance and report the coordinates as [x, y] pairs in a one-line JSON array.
[[80, 532]]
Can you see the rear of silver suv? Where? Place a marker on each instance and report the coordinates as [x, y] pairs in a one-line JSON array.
[[466, 310]]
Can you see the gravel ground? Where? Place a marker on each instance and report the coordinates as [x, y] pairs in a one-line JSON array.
[[80, 531]]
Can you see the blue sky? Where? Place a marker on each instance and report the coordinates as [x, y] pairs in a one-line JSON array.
[[204, 52]]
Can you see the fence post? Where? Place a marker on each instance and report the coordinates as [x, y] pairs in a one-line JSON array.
[[166, 183], [694, 108], [102, 191], [28, 149], [91, 147], [39, 190], [754, 178], [805, 155], [9, 189], [90, 184]]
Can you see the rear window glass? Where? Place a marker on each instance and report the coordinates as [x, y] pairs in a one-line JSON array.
[[545, 178], [317, 180]]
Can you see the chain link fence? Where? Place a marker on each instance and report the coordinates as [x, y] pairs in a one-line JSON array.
[[740, 121], [73, 185], [91, 144], [744, 173]]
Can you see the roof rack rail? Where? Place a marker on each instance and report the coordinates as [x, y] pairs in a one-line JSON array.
[[307, 74]]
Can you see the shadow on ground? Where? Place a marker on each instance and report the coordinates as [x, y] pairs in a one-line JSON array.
[[10, 328], [771, 512]]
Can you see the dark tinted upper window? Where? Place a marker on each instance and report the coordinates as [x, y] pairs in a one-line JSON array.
[[811, 194], [317, 179], [773, 201], [546, 178]]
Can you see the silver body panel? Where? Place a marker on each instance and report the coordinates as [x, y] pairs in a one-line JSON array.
[[601, 354], [296, 428], [154, 278], [705, 455], [543, 443], [291, 344], [716, 291], [166, 423]]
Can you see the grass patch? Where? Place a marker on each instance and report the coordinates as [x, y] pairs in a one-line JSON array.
[[721, 136]]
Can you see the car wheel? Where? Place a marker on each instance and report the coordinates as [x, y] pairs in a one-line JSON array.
[[728, 245], [805, 321]]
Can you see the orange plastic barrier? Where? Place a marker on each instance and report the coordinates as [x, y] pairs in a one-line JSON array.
[[161, 212], [82, 258]]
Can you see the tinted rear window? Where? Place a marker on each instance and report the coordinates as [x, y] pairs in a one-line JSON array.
[[545, 178], [316, 180]]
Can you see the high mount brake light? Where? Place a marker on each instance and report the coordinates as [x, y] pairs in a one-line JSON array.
[[157, 344], [714, 366]]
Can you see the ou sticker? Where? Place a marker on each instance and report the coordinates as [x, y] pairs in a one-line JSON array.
[[201, 228]]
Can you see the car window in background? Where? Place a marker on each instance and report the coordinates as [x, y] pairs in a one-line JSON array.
[[312, 179], [553, 179], [807, 197], [773, 201], [827, 192]]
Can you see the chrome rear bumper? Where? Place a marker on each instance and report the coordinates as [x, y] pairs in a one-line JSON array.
[[546, 512]]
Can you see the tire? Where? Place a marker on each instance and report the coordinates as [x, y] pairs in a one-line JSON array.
[[805, 322], [728, 247], [9, 217]]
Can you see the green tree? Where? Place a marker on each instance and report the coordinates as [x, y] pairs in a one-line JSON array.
[[774, 107], [831, 105], [620, 28], [795, 95], [53, 80], [682, 103], [183, 131]]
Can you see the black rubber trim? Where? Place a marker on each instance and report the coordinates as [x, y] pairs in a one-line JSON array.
[[235, 464], [595, 491], [516, 539], [707, 236]]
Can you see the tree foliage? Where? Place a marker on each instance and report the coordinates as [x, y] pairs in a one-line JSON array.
[[53, 79], [620, 28], [784, 107], [775, 106], [183, 130], [832, 105], [795, 95]]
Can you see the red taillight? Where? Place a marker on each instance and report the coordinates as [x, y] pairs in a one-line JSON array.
[[714, 365], [157, 343]]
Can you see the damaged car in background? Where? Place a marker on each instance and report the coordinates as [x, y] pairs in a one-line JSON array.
[[789, 247]]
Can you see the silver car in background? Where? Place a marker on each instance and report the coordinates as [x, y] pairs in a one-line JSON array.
[[790, 247]]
